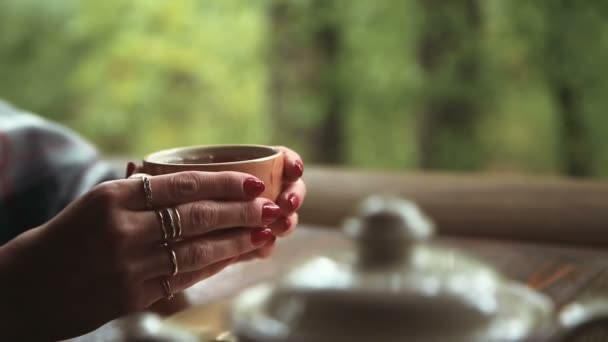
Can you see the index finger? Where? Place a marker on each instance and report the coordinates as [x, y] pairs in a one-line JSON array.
[[190, 186]]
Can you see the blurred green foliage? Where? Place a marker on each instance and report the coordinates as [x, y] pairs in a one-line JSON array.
[[508, 85]]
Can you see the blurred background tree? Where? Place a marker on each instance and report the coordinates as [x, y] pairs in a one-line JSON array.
[[468, 85]]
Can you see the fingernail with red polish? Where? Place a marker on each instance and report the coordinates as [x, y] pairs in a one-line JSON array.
[[271, 241], [261, 236], [294, 201], [270, 212], [253, 187], [130, 169], [285, 224], [299, 168]]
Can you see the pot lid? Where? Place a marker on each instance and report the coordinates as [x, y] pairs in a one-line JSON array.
[[394, 285]]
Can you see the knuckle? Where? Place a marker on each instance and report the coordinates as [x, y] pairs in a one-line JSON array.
[[229, 182], [104, 195], [204, 215], [238, 246], [249, 214], [199, 254], [185, 184]]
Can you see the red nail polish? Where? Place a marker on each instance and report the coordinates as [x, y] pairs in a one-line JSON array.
[[294, 201], [286, 224], [299, 168], [270, 212], [271, 241], [253, 187], [130, 169], [261, 236]]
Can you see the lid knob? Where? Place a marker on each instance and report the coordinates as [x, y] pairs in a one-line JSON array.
[[385, 228]]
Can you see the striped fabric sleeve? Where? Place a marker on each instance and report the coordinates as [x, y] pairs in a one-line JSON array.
[[43, 167]]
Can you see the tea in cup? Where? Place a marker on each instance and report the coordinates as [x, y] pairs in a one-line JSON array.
[[263, 162]]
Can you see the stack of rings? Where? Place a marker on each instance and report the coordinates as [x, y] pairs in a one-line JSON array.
[[166, 217]]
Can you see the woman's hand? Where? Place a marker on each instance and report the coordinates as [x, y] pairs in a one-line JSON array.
[[103, 257], [290, 200]]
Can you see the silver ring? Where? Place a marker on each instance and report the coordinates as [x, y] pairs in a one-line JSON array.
[[173, 258], [178, 223], [147, 190], [171, 220], [145, 179], [175, 221], [167, 288], [163, 229]]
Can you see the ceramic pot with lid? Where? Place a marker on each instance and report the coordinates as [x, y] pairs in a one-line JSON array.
[[395, 286]]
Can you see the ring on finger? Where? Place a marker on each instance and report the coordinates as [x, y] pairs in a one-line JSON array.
[[175, 222], [171, 220], [147, 185], [178, 223], [167, 288], [173, 258], [161, 220]]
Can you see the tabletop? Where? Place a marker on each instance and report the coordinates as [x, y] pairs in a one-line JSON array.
[[563, 273]]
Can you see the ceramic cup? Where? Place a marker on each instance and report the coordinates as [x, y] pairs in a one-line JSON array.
[[263, 162]]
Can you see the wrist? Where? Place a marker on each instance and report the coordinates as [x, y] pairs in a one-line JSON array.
[[14, 286], [9, 315]]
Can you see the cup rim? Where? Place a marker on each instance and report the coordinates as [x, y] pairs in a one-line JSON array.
[[147, 159]]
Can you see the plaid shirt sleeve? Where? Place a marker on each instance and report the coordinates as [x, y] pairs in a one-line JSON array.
[[43, 167]]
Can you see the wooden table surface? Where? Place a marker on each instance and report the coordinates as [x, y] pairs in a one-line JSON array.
[[521, 207], [563, 273]]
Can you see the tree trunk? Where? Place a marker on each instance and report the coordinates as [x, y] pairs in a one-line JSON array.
[[329, 147], [575, 148], [449, 53], [279, 49], [303, 74]]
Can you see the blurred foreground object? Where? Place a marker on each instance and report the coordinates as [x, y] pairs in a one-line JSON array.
[[541, 209], [394, 282], [149, 327], [393, 286]]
